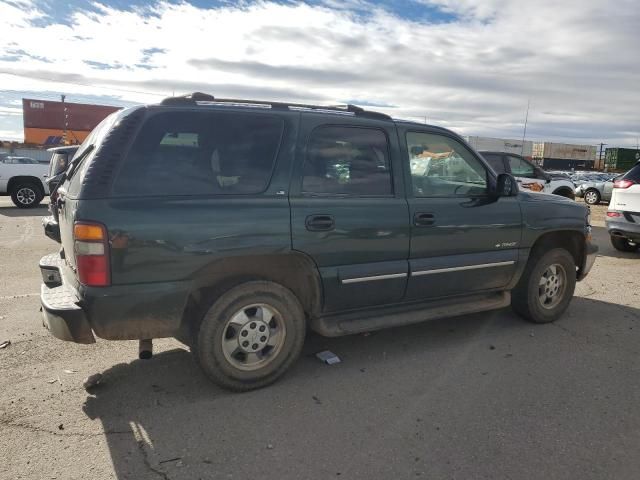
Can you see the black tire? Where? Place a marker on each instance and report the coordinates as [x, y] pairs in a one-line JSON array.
[[623, 244], [26, 195], [526, 297], [566, 193], [592, 197], [215, 327]]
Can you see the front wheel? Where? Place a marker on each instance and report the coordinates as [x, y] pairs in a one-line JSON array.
[[546, 286], [624, 244], [251, 335], [566, 193], [26, 195]]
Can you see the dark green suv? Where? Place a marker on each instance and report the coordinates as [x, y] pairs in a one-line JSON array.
[[234, 225]]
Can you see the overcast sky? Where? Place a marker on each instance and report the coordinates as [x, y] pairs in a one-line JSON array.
[[469, 65]]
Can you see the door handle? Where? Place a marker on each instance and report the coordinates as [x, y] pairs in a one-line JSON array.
[[320, 223], [423, 219]]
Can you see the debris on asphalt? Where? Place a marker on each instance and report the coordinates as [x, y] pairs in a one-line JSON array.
[[70, 372], [5, 344], [317, 400], [61, 427], [269, 446], [92, 381], [492, 347], [53, 380], [531, 334], [328, 357], [176, 459]]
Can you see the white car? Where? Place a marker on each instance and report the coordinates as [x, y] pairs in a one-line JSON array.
[[24, 179], [623, 216], [530, 176]]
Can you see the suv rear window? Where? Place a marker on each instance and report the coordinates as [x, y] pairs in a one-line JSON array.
[[633, 174], [201, 153], [347, 161]]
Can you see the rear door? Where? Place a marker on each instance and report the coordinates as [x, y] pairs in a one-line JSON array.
[[462, 240], [348, 210]]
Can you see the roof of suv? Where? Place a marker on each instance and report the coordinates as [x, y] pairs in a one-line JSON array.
[[205, 99]]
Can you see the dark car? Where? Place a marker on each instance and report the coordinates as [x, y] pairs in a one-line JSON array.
[[233, 225]]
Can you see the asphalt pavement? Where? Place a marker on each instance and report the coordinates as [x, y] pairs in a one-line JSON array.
[[474, 397]]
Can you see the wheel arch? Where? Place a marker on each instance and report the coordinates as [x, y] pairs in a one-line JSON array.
[[565, 191], [293, 270], [570, 240], [19, 179]]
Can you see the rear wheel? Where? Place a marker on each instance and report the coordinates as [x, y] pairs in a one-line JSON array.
[[565, 192], [592, 197], [546, 286], [624, 244], [26, 195], [251, 335]]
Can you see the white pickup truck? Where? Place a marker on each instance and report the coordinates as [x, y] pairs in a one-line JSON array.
[[530, 176], [24, 179]]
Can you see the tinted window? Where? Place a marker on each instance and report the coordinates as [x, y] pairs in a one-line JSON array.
[[347, 161], [520, 168], [633, 174], [193, 153], [496, 162], [442, 166]]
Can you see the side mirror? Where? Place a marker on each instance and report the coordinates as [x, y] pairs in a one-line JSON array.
[[506, 185]]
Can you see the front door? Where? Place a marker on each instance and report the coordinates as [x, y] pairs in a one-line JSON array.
[[349, 213], [462, 240]]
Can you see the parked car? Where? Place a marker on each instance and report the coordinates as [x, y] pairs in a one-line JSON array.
[[595, 192], [60, 159], [623, 215], [234, 225], [530, 176], [23, 178]]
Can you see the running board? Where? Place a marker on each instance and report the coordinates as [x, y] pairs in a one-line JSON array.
[[396, 316]]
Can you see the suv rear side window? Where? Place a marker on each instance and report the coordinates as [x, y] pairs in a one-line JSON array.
[[496, 162], [633, 174], [347, 161], [201, 153]]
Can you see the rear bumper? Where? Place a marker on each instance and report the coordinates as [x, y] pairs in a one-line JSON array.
[[621, 227], [127, 312], [63, 317]]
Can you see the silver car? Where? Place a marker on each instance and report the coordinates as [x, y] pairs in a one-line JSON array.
[[595, 192]]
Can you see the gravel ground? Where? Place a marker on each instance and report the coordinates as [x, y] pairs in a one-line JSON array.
[[481, 396]]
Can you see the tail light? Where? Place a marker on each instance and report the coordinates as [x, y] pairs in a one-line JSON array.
[[614, 214], [91, 248], [624, 183]]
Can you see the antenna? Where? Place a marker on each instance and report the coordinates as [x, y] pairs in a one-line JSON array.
[[524, 134]]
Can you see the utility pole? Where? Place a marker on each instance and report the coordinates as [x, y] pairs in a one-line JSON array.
[[600, 165], [65, 119], [524, 134]]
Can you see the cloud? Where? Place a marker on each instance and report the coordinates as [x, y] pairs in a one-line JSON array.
[[470, 65]]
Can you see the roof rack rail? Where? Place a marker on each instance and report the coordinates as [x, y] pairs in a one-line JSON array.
[[194, 98], [188, 99]]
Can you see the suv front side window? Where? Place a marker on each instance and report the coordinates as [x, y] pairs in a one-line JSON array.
[[442, 166], [347, 161], [520, 167]]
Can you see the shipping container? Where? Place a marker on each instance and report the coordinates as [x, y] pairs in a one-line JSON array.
[[621, 159], [490, 144], [45, 121], [564, 151], [567, 164]]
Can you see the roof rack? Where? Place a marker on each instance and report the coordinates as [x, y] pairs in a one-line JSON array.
[[348, 109]]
